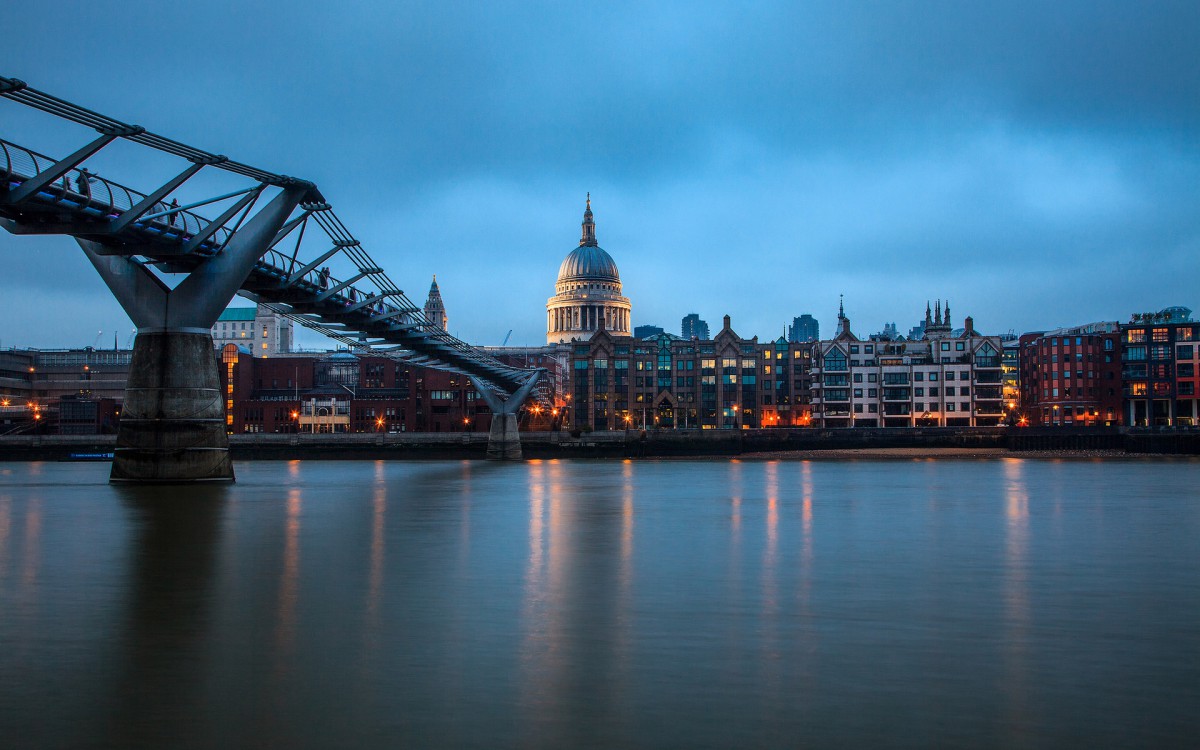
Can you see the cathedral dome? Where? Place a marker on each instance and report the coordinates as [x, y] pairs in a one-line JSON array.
[[587, 295], [588, 263]]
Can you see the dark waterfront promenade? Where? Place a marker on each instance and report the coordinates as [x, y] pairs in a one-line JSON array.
[[683, 603], [654, 443]]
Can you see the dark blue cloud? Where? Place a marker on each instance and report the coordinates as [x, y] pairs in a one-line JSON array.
[[757, 160]]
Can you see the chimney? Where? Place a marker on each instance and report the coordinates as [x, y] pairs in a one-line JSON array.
[[969, 326], [726, 322]]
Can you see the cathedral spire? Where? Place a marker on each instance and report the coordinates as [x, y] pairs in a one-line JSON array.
[[946, 316], [928, 315], [435, 310], [841, 308], [588, 238], [937, 315]]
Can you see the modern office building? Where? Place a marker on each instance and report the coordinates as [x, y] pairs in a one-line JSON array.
[[1160, 356], [804, 328], [694, 328], [587, 295], [646, 331]]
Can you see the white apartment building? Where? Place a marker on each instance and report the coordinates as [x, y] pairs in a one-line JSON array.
[[948, 379], [263, 332]]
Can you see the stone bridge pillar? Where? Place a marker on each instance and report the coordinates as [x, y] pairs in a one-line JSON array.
[[504, 442], [173, 419]]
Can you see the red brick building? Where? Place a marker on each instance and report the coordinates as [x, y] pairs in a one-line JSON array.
[[345, 392], [1072, 376]]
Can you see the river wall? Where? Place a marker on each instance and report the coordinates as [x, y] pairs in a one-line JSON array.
[[638, 444]]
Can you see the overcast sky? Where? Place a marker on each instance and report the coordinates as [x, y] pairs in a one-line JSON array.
[[1037, 164]]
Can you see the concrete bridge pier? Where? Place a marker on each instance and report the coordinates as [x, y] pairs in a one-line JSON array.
[[173, 421], [504, 442]]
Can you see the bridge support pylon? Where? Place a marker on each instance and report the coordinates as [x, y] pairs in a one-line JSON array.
[[173, 426], [504, 442]]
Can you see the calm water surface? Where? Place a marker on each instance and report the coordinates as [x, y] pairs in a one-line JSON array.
[[565, 604]]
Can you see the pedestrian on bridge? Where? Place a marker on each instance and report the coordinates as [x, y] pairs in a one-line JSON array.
[[174, 212], [84, 183]]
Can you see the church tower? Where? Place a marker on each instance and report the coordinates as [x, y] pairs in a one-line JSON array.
[[435, 311]]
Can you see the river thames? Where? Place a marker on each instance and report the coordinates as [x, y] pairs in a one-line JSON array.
[[720, 603]]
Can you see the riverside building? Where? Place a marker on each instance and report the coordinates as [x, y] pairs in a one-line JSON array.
[[666, 382], [943, 380], [1160, 356], [1071, 376], [259, 329]]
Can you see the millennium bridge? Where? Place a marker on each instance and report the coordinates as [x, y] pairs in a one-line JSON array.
[[274, 239]]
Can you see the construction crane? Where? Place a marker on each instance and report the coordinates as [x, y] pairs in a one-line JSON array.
[[506, 337]]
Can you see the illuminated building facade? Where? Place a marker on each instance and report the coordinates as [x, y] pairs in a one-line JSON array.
[[1071, 376], [259, 329], [1160, 355], [944, 380], [587, 295], [435, 309], [618, 383]]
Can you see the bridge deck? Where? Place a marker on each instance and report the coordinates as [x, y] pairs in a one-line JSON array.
[[366, 308]]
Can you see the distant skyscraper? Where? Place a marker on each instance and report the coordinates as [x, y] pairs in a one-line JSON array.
[[804, 328], [641, 332], [435, 311], [693, 327]]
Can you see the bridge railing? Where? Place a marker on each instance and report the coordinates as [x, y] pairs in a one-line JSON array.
[[97, 195], [364, 307]]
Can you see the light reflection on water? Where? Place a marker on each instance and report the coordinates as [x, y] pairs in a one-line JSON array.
[[562, 604]]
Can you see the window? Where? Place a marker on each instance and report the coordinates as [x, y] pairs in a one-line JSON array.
[[919, 392], [872, 393], [933, 392], [1183, 352], [1135, 335], [950, 375], [858, 409], [933, 376], [868, 349], [950, 406], [959, 346], [1159, 335], [918, 377], [964, 391], [945, 346], [872, 377], [858, 377]]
